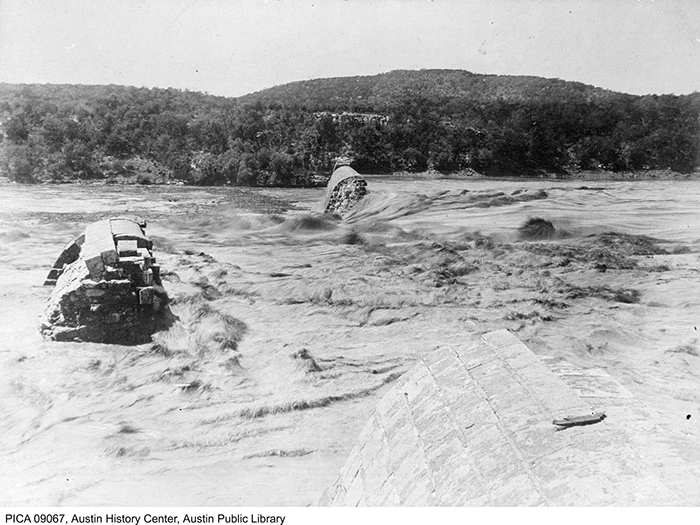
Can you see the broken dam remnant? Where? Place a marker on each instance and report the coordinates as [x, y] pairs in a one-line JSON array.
[[493, 424], [107, 287], [344, 190]]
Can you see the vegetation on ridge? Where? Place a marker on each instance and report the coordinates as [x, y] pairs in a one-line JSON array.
[[290, 135]]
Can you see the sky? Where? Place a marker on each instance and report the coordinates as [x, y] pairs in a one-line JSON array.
[[234, 47]]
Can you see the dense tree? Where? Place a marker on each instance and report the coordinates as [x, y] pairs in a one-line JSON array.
[[288, 135]]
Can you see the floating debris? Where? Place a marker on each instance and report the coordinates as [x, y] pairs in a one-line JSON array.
[[586, 419]]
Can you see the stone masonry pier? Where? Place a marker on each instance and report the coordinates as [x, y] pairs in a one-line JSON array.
[[473, 426], [107, 287], [344, 190]]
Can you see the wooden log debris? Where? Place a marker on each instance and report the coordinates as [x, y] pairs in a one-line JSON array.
[[585, 419]]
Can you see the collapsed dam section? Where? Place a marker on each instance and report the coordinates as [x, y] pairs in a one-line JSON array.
[[107, 287], [492, 424]]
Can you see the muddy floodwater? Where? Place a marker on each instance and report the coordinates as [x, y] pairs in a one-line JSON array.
[[293, 324]]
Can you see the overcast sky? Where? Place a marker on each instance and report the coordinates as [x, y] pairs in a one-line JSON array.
[[233, 47]]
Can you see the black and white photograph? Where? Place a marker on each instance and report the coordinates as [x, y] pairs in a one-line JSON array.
[[278, 254]]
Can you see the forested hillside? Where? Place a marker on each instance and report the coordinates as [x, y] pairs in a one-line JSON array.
[[291, 135]]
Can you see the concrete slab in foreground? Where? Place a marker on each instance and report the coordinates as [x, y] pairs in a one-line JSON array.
[[473, 426]]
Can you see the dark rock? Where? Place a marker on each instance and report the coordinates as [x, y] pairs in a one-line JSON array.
[[537, 228]]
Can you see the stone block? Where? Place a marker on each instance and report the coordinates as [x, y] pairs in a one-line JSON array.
[[146, 295], [518, 490], [116, 286], [146, 277], [99, 242], [95, 265], [94, 292], [112, 273], [127, 248], [136, 260], [126, 229]]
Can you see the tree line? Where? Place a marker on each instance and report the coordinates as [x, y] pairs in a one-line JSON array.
[[67, 133]]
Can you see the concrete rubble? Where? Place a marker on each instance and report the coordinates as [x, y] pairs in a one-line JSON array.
[[107, 287], [345, 189]]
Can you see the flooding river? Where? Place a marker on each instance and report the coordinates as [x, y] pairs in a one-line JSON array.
[[664, 209], [332, 312]]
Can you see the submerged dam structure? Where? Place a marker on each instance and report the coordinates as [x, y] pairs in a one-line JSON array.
[[492, 424]]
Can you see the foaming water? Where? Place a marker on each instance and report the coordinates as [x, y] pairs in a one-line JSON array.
[[292, 324], [664, 209]]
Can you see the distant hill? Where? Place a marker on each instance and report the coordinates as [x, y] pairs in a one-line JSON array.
[[383, 91], [290, 135], [86, 96]]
